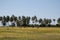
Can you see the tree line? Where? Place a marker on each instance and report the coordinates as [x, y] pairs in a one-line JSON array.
[[22, 21]]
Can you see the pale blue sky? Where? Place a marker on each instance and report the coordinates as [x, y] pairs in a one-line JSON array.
[[40, 8]]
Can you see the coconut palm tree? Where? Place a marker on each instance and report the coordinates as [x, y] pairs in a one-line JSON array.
[[4, 21], [49, 21], [40, 21], [14, 18], [19, 21], [27, 20], [0, 18], [58, 21], [54, 20], [34, 20], [46, 21], [11, 20], [24, 20], [7, 20], [19, 18]]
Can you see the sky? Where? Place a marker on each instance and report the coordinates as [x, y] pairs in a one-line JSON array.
[[40, 8]]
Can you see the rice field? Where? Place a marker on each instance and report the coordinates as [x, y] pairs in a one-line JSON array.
[[42, 33]]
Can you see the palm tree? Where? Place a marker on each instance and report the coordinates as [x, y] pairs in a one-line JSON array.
[[7, 20], [0, 18], [11, 20], [27, 20], [18, 23], [40, 21], [24, 20], [15, 19], [49, 22], [46, 22], [34, 20], [19, 18], [4, 21], [54, 20], [58, 21]]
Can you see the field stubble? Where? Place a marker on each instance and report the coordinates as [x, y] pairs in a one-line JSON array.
[[16, 33]]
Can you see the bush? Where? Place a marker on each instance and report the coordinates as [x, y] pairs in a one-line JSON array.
[[57, 25]]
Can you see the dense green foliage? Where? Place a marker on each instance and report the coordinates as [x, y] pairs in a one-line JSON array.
[[25, 21]]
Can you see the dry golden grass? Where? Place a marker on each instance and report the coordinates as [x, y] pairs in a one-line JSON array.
[[16, 33]]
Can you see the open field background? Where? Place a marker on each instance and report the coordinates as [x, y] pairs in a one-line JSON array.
[[16, 33]]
